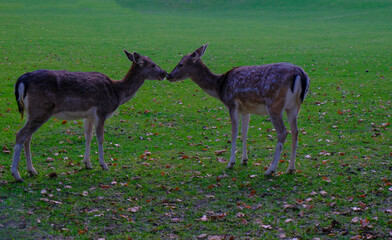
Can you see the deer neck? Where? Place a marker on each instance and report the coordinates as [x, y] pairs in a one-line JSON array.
[[128, 86], [208, 81]]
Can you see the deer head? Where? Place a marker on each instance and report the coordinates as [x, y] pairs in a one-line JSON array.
[[187, 66], [146, 67]]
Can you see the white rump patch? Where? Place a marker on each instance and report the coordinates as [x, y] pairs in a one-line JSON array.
[[21, 90], [292, 98]]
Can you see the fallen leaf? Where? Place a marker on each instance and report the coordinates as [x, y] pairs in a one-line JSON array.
[[202, 236], [355, 220], [220, 152], [244, 221], [145, 154], [323, 193], [326, 179], [176, 220], [364, 223], [221, 160], [6, 150], [363, 205], [82, 231], [266, 226], [358, 237], [356, 209], [215, 237], [134, 209], [301, 214], [55, 202], [325, 153], [52, 175]]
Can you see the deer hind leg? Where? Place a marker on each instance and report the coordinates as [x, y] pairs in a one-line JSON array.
[[29, 162], [88, 131], [23, 137], [234, 133], [278, 123], [15, 162], [244, 133], [292, 115], [99, 130]]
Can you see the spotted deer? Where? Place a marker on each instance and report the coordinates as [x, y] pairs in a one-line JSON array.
[[264, 89], [91, 96]]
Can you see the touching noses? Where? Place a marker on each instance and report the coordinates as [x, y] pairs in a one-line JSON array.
[[163, 74]]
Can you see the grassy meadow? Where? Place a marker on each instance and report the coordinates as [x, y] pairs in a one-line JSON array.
[[166, 147]]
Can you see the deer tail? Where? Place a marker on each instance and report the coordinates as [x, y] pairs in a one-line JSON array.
[[20, 93], [300, 85]]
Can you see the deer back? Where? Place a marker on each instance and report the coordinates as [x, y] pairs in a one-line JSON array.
[[261, 84], [69, 91]]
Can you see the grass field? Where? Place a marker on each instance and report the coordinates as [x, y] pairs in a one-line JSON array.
[[166, 180]]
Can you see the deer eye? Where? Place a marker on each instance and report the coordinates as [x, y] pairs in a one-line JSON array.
[[180, 65]]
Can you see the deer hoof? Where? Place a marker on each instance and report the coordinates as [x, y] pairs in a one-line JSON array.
[[20, 180], [17, 177], [290, 171], [269, 173], [88, 166], [33, 172], [230, 165], [244, 162], [104, 167]]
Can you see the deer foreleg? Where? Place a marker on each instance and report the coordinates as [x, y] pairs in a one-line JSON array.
[[234, 133], [99, 129], [244, 133], [278, 123], [88, 131]]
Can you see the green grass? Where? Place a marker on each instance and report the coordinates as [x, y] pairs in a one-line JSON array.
[[344, 153]]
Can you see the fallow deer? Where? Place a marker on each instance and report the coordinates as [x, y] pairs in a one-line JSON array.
[[264, 89], [91, 96]]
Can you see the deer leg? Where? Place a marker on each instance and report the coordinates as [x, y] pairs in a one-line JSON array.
[[278, 123], [292, 117], [99, 130], [88, 131], [234, 133], [15, 162], [29, 162], [244, 133], [23, 137]]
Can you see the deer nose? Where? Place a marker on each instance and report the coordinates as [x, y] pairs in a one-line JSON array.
[[169, 76]]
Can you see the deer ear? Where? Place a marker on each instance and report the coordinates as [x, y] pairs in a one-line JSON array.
[[129, 55], [198, 53], [135, 57], [138, 59]]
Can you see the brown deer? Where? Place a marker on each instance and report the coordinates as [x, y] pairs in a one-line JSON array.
[[67, 95], [264, 89]]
